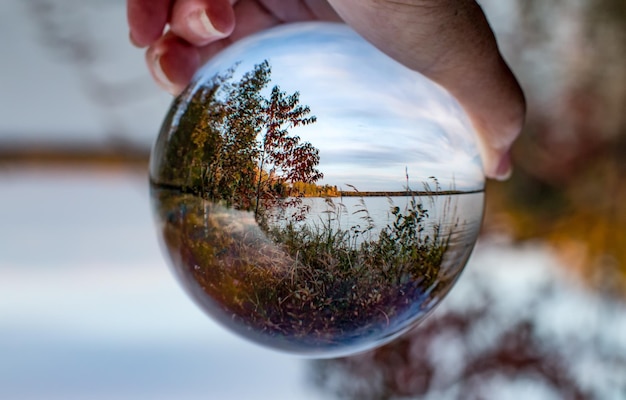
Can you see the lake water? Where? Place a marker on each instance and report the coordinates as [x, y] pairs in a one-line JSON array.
[[443, 209], [460, 215]]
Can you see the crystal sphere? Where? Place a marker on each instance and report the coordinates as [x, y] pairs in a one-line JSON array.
[[314, 195]]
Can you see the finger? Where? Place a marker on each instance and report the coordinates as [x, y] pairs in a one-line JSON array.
[[251, 18], [146, 20], [301, 10], [322, 10], [172, 62], [496, 106], [450, 41], [201, 22]]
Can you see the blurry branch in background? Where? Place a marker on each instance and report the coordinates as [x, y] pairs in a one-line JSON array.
[[68, 32], [569, 186], [66, 29], [116, 154], [546, 343]]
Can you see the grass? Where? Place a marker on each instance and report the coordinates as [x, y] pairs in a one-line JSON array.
[[308, 283]]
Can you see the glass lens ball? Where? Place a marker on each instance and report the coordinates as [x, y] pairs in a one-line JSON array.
[[314, 195]]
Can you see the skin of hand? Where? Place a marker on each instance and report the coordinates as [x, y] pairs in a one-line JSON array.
[[449, 41]]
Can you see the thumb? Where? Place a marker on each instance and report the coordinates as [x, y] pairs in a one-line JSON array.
[[451, 42]]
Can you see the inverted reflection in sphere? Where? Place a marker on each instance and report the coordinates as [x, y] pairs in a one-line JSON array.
[[314, 195]]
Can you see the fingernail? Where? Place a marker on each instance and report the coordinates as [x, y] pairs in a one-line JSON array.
[[505, 169], [160, 76], [200, 23]]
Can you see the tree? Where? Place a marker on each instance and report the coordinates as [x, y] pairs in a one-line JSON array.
[[288, 160], [231, 143], [190, 143]]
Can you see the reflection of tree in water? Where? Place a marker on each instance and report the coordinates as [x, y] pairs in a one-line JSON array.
[[554, 341], [232, 144]]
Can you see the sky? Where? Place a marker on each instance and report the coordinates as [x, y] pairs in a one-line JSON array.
[[376, 119], [70, 74]]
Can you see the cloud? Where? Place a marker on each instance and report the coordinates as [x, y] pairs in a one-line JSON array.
[[374, 116]]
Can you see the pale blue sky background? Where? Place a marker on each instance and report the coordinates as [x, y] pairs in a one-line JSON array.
[[374, 116]]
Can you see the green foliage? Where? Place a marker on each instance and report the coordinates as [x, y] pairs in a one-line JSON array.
[[189, 137], [398, 253], [231, 143]]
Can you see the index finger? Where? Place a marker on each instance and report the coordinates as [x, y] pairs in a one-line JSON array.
[[147, 20]]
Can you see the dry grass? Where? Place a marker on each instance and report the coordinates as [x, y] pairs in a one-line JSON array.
[[314, 285]]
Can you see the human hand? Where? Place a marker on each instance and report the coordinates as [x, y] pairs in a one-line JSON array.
[[449, 41]]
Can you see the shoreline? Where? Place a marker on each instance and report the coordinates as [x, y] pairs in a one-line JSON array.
[[403, 193]]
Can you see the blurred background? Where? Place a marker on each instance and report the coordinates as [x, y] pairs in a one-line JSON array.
[[89, 309]]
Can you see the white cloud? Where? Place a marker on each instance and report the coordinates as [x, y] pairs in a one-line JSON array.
[[364, 102]]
